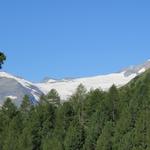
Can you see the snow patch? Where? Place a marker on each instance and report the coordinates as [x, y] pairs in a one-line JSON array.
[[142, 70], [23, 82], [12, 97], [104, 82], [51, 80]]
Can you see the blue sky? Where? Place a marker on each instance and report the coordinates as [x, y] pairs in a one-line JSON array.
[[73, 38]]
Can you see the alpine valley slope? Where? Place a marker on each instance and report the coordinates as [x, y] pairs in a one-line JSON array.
[[15, 87]]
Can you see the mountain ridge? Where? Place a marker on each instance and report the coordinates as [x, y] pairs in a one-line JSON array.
[[15, 87]]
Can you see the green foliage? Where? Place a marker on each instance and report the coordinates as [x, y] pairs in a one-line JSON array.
[[75, 137], [105, 140], [2, 59], [113, 103], [95, 120], [25, 106], [53, 97], [51, 144], [25, 139]]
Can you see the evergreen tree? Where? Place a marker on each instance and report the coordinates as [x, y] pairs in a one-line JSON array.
[[42, 123], [11, 126], [105, 140], [2, 59], [75, 137], [113, 120], [78, 99], [53, 97], [26, 105], [12, 133], [112, 103], [25, 139], [51, 144], [93, 101], [122, 130], [9, 109]]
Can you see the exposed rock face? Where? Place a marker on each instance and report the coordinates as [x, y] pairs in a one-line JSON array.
[[137, 69]]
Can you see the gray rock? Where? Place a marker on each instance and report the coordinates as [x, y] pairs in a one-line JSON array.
[[11, 88]]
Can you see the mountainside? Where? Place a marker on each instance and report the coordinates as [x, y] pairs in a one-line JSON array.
[[67, 87], [16, 88], [114, 120]]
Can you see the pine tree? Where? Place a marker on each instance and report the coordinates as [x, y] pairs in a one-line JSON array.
[[26, 105], [92, 103], [9, 109], [53, 97], [122, 137], [51, 144], [75, 137], [142, 130], [78, 99], [112, 103], [2, 59], [25, 139], [105, 140], [42, 123], [12, 133]]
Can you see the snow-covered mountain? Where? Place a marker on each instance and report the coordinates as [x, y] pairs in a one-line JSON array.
[[67, 87], [15, 87]]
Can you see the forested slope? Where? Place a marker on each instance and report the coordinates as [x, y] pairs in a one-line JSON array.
[[115, 120]]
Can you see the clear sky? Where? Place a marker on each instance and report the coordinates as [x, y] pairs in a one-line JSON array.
[[73, 38]]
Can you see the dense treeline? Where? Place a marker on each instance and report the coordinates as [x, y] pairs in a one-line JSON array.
[[115, 120]]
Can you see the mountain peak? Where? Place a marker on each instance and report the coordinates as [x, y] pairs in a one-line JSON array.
[[137, 69], [48, 79], [16, 87]]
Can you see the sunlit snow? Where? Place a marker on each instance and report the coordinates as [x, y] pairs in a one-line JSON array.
[[104, 82]]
